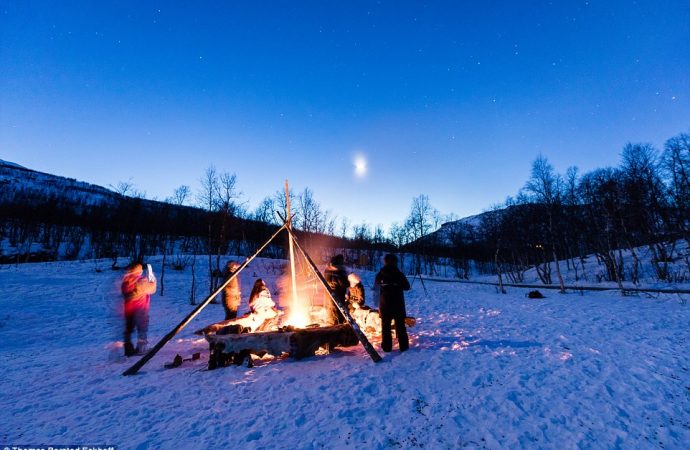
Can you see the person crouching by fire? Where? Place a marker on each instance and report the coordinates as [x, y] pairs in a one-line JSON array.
[[355, 293], [262, 310], [137, 288], [336, 277], [392, 303]]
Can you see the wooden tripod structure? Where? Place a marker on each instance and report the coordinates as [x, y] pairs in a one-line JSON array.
[[287, 225]]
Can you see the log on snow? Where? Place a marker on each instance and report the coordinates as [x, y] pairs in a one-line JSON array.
[[299, 343]]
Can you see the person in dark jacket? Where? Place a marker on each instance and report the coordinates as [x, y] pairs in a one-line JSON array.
[[232, 295], [336, 277], [392, 283]]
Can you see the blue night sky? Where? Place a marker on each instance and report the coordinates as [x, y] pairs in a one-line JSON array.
[[450, 99]]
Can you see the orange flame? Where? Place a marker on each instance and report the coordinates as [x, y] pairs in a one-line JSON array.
[[299, 316]]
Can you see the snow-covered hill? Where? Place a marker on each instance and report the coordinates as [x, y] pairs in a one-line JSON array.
[[10, 164], [465, 230], [16, 180], [485, 370]]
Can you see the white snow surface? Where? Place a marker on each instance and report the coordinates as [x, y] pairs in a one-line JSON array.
[[593, 273], [485, 370]]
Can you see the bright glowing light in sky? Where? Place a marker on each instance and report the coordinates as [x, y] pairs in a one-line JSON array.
[[360, 166]]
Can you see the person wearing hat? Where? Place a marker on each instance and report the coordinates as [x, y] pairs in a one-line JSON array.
[[392, 283], [137, 289], [232, 294], [336, 277]]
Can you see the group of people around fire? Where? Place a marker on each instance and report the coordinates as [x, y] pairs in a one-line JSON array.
[[138, 285]]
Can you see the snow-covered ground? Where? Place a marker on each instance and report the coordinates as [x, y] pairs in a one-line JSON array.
[[593, 271], [485, 370]]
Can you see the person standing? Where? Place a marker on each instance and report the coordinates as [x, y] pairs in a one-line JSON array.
[[392, 282], [336, 277], [232, 294], [137, 289]]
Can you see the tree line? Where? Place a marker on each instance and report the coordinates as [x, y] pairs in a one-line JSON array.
[[643, 202]]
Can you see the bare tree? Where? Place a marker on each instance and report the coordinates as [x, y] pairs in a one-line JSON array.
[[399, 236], [180, 195], [422, 217], [207, 197], [646, 205], [310, 211], [168, 242], [280, 203], [420, 222], [362, 232], [545, 185], [676, 166], [329, 221], [123, 187], [227, 210], [314, 219], [344, 227], [572, 227], [127, 188], [266, 211], [492, 228]]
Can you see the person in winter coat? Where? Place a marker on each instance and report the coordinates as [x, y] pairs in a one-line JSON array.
[[136, 291], [263, 314], [355, 293], [260, 296], [232, 294], [368, 319], [392, 283], [336, 277], [262, 308]]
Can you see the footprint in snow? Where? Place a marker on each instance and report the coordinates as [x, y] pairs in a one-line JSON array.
[[255, 436]]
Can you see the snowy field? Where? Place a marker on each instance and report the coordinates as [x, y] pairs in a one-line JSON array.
[[592, 272], [484, 371]]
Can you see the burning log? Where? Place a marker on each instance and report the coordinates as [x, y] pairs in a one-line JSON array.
[[307, 341], [297, 342]]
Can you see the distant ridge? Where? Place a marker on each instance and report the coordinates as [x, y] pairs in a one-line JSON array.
[[11, 164], [19, 180]]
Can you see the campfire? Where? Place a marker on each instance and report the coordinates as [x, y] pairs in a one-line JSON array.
[[295, 336], [301, 330]]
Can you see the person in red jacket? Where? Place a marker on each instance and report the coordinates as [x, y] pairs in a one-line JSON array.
[[136, 291]]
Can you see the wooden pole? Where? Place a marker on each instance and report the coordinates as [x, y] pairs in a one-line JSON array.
[[340, 305], [151, 353], [290, 245]]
